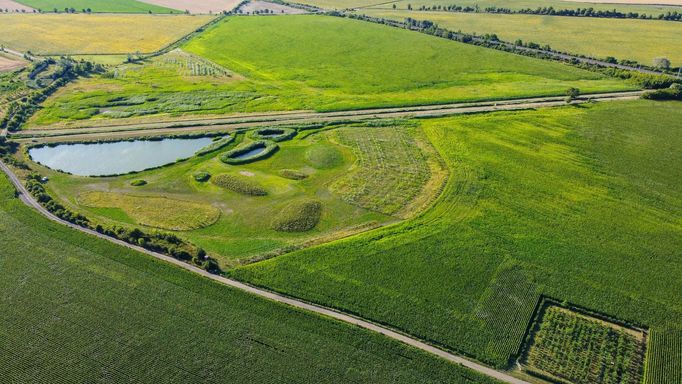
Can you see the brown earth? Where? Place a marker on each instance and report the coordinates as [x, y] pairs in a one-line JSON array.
[[193, 6], [13, 6], [277, 9], [646, 2], [10, 63]]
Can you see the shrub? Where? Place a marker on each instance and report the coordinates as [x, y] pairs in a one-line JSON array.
[[292, 174], [298, 216], [672, 93], [202, 176], [138, 183], [274, 134], [239, 185], [233, 156]]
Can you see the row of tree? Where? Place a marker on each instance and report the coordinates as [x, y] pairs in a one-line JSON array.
[[551, 11]]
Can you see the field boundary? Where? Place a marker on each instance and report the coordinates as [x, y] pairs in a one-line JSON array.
[[27, 199]]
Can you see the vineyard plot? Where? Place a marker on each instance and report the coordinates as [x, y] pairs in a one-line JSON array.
[[567, 346]]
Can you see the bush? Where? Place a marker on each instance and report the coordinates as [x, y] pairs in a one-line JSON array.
[[233, 156], [292, 174], [274, 134], [298, 216], [672, 93], [239, 184], [138, 183], [202, 176]]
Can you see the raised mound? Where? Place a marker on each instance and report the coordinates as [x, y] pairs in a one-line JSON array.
[[155, 211], [248, 153], [239, 184], [274, 134], [292, 174], [298, 216]]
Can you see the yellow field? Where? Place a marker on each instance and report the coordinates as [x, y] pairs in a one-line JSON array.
[[640, 40], [48, 34], [158, 212]]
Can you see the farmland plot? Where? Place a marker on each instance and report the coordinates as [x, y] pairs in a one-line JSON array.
[[197, 7], [104, 6]]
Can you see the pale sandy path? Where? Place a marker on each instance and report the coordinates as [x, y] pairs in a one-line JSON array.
[[197, 6], [326, 312], [13, 6]]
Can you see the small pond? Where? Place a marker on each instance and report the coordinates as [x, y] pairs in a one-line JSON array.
[[250, 153], [98, 159]]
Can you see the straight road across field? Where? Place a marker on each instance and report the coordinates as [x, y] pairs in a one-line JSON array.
[[28, 199], [231, 123]]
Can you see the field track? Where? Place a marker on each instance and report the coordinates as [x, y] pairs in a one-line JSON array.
[[230, 123], [26, 197]]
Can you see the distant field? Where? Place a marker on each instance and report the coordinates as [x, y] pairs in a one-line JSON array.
[[80, 309], [640, 40], [52, 34], [10, 63], [13, 6], [108, 6], [622, 6], [581, 204], [194, 6]]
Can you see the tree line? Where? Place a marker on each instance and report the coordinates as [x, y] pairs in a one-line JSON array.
[[551, 11]]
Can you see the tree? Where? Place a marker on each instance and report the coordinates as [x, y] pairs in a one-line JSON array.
[[393, 5], [662, 62], [572, 94]]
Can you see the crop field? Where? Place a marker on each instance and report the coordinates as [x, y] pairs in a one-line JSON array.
[[141, 320], [664, 356], [339, 66], [389, 172], [241, 211], [104, 6], [597, 37], [13, 6], [656, 8], [68, 34], [581, 349], [533, 192], [203, 6]]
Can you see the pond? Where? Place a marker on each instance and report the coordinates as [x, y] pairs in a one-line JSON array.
[[99, 159], [250, 153]]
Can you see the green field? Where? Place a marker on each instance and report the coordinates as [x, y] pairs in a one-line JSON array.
[[62, 34], [76, 308], [581, 349], [104, 6], [640, 40], [245, 210], [319, 63], [581, 203]]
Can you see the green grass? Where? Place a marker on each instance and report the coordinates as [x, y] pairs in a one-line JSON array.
[[108, 6], [298, 216], [585, 200], [139, 319], [244, 229], [585, 350], [623, 39], [320, 63]]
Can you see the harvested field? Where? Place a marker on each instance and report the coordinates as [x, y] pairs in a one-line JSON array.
[[9, 63], [56, 34], [275, 9], [13, 6], [155, 211], [204, 6], [97, 6], [647, 2]]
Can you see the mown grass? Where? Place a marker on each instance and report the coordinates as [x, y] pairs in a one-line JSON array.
[[585, 200], [108, 6], [139, 319], [313, 62], [154, 211], [620, 38], [69, 34]]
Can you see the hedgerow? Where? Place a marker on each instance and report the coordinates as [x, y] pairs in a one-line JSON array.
[[292, 174], [232, 156], [273, 133], [215, 145]]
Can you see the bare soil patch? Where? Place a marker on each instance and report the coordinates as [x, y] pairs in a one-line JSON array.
[[644, 2], [13, 6], [203, 6], [9, 63], [275, 9]]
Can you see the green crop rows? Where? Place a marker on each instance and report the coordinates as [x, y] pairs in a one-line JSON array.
[[585, 351], [664, 356], [76, 308]]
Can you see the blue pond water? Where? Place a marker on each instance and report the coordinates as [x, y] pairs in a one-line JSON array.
[[121, 157], [250, 153]]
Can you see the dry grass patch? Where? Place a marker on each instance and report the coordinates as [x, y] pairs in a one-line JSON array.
[[88, 34], [193, 6], [159, 212]]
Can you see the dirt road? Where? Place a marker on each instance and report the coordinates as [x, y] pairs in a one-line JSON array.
[[231, 123], [502, 376]]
